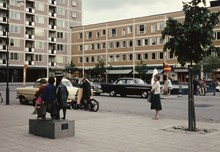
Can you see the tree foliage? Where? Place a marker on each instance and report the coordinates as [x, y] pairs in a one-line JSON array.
[[141, 68], [210, 64], [71, 68], [191, 40], [100, 67]]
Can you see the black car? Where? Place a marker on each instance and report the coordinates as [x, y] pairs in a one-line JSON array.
[[126, 86], [96, 87]]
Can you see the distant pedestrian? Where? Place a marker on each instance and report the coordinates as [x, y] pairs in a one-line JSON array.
[[155, 101], [212, 85], [195, 86], [62, 95], [201, 87]]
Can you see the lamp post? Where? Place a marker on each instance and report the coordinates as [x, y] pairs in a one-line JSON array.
[[7, 53], [7, 56]]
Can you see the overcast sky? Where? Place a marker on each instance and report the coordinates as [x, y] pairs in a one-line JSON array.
[[97, 11]]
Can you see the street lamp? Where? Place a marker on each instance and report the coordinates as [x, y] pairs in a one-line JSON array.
[[7, 53]]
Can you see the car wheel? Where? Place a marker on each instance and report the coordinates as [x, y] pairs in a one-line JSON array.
[[144, 94], [123, 95], [112, 93], [97, 94], [23, 100]]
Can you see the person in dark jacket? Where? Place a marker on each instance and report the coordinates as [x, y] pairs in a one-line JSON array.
[[49, 98], [62, 95]]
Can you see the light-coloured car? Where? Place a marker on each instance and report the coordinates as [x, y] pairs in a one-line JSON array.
[[26, 94]]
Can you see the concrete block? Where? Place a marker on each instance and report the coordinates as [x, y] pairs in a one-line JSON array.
[[52, 128]]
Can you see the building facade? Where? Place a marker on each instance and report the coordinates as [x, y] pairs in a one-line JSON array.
[[39, 36], [124, 43]]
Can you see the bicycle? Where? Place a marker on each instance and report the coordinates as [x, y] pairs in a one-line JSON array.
[[1, 98]]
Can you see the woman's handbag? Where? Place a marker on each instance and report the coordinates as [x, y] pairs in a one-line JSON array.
[[149, 97]]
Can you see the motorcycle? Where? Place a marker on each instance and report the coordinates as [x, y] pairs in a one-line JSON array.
[[90, 104]]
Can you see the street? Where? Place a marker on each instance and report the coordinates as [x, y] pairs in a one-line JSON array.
[[207, 107]]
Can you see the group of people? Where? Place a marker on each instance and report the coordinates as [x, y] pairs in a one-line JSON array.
[[52, 98], [202, 84]]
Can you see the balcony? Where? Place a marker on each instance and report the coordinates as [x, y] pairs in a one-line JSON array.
[[4, 5], [52, 64], [30, 23], [29, 36], [51, 14], [29, 62], [30, 10], [3, 33], [29, 49], [3, 47], [50, 51], [53, 27], [3, 19], [2, 61], [52, 39], [53, 2]]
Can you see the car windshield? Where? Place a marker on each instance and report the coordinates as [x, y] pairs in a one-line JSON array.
[[139, 81], [65, 82]]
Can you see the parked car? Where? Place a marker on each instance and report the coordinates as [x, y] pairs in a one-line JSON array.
[[127, 86], [96, 87], [26, 94]]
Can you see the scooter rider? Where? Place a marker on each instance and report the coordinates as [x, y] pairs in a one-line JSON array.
[[86, 92]]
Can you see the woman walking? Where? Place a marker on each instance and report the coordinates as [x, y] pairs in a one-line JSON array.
[[155, 101]]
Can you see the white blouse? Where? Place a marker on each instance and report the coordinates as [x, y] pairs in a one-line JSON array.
[[156, 87]]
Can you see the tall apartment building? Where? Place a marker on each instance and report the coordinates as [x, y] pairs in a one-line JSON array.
[[124, 43], [39, 36]]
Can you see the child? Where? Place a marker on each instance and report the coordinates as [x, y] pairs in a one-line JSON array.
[[39, 100]]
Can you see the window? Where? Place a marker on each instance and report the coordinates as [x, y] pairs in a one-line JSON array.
[[39, 6], [130, 56], [60, 59], [80, 47], [60, 35], [80, 36], [97, 46], [14, 29], [80, 60], [87, 59], [153, 28], [160, 55], [160, 41], [145, 56], [60, 23], [153, 41], [39, 32], [60, 11], [39, 45], [110, 45], [124, 57], [113, 32], [61, 1], [40, 19], [138, 42], [92, 59], [153, 56], [129, 29], [97, 34], [117, 44], [60, 47], [160, 25], [130, 43], [141, 29], [86, 47], [170, 56], [145, 42], [217, 35], [138, 56], [15, 15], [117, 58], [123, 32], [92, 47], [13, 56], [73, 14], [123, 44], [89, 35], [110, 58], [103, 46], [73, 3], [15, 42], [38, 57], [103, 32]]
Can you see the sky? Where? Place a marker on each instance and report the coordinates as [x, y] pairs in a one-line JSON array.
[[98, 11]]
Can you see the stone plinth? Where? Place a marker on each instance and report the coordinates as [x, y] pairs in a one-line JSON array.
[[52, 128]]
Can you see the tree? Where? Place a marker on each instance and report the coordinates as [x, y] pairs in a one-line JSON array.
[[141, 68], [190, 41], [100, 68], [71, 68]]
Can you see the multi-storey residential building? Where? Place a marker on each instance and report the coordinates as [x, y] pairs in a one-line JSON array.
[[125, 43], [39, 36]]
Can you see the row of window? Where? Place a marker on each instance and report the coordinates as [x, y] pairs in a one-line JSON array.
[[122, 44], [113, 32], [127, 57]]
